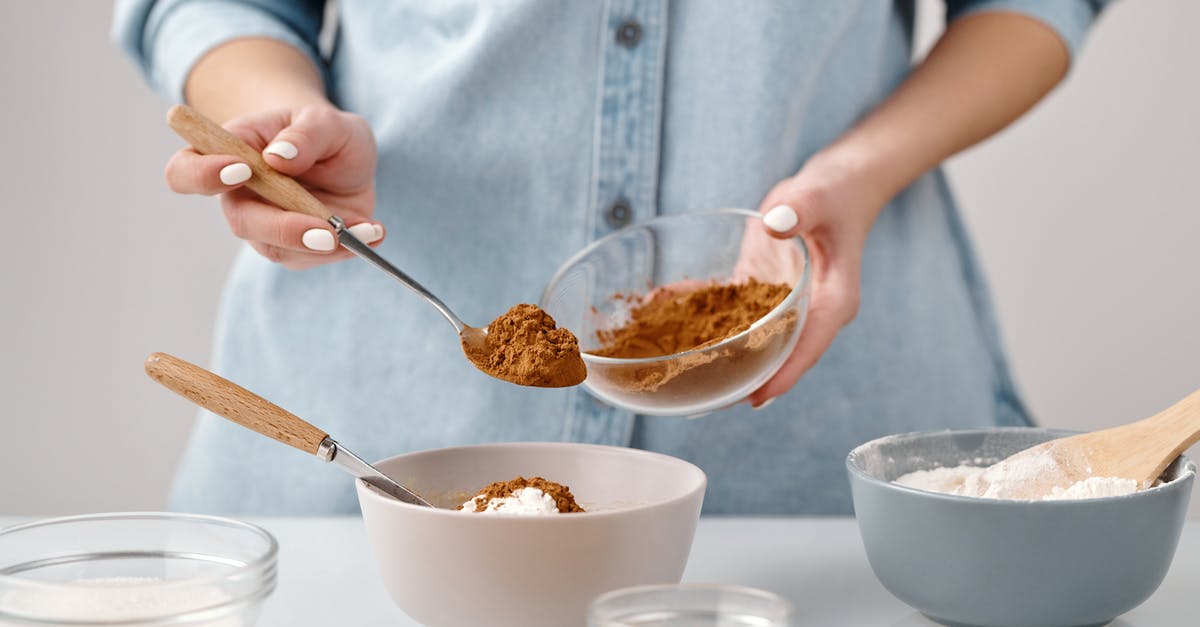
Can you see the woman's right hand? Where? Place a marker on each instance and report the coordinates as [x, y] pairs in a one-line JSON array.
[[331, 152]]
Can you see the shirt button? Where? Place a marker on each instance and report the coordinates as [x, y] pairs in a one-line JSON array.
[[629, 33], [619, 214]]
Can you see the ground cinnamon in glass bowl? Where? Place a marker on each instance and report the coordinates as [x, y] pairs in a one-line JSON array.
[[683, 314]]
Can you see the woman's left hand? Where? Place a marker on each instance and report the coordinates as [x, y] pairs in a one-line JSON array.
[[833, 209]]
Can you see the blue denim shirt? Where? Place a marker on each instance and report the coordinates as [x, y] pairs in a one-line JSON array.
[[507, 133]]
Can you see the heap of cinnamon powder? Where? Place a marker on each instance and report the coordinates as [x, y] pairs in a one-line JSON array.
[[563, 499], [673, 323], [524, 346]]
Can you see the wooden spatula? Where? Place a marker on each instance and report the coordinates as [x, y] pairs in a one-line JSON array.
[[1140, 451]]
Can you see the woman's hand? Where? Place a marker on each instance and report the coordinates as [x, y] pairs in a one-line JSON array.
[[331, 152], [833, 209]]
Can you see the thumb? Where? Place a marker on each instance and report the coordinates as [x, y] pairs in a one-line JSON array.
[[315, 133], [786, 218]]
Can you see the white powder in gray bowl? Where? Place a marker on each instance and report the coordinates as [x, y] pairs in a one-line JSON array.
[[1012, 478]]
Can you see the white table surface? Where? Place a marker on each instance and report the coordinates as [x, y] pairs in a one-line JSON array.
[[327, 577]]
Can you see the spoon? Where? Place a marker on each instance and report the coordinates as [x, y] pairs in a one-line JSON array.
[[1140, 451], [208, 137], [237, 404]]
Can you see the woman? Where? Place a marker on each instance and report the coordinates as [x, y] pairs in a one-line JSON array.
[[489, 141]]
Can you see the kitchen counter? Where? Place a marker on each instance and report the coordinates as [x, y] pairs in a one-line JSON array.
[[327, 576]]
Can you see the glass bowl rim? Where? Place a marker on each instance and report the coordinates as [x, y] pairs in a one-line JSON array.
[[760, 593], [800, 286], [263, 562]]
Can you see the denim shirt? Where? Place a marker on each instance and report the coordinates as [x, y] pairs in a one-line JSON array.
[[513, 133]]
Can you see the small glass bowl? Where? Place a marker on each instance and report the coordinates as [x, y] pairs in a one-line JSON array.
[[592, 292], [135, 569], [689, 605]]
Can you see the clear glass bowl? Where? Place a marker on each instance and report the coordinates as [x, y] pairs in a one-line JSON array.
[[590, 293], [135, 569], [689, 605]]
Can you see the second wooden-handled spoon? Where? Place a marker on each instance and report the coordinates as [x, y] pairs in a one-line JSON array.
[[237, 404], [1140, 451]]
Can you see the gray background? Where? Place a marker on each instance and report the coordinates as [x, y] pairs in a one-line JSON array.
[[1085, 215]]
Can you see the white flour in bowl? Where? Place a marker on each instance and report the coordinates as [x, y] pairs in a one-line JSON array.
[[109, 599], [1011, 479]]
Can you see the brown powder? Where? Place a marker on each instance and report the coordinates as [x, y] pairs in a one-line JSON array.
[[563, 499], [676, 321], [673, 323], [524, 346]]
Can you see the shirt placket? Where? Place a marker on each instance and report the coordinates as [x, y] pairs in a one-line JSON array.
[[627, 144]]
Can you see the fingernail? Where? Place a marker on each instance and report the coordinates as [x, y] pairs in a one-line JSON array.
[[286, 150], [766, 402], [235, 173], [318, 239], [366, 232], [781, 219]]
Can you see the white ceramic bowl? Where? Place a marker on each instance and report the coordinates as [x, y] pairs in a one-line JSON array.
[[447, 568], [720, 245]]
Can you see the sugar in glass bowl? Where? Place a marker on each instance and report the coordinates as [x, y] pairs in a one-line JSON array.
[[144, 569], [591, 292]]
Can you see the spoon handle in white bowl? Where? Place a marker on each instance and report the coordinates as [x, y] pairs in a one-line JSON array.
[[233, 402]]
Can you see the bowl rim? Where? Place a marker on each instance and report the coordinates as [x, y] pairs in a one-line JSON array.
[[701, 484], [1188, 472], [263, 563], [800, 287], [788, 607]]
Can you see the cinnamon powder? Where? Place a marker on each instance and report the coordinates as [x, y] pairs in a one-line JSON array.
[[563, 499], [524, 346], [673, 323]]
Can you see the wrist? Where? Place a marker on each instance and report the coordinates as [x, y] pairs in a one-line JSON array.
[[251, 75]]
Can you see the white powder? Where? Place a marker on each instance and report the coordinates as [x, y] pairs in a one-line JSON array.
[[1028, 477], [522, 502], [114, 599]]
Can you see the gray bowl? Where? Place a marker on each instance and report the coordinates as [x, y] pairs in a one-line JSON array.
[[971, 561]]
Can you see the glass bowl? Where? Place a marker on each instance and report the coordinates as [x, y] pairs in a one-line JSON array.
[[135, 569], [597, 288], [692, 604]]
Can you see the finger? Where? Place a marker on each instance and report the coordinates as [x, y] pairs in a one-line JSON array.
[[834, 305], [295, 260], [787, 211], [189, 172], [253, 220], [820, 328], [313, 134]]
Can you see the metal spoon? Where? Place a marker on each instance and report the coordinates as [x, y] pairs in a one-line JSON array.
[[208, 137], [237, 404]]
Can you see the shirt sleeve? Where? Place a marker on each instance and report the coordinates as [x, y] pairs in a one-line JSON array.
[[167, 37], [1069, 18]]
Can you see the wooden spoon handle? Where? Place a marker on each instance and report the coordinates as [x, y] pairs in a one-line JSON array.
[[230, 400], [208, 138], [1180, 421]]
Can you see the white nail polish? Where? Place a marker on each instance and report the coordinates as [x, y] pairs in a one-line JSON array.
[[781, 219], [378, 232], [365, 232], [767, 402], [319, 240], [235, 173], [286, 150]]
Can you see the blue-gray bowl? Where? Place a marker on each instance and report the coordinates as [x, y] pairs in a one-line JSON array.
[[974, 562]]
